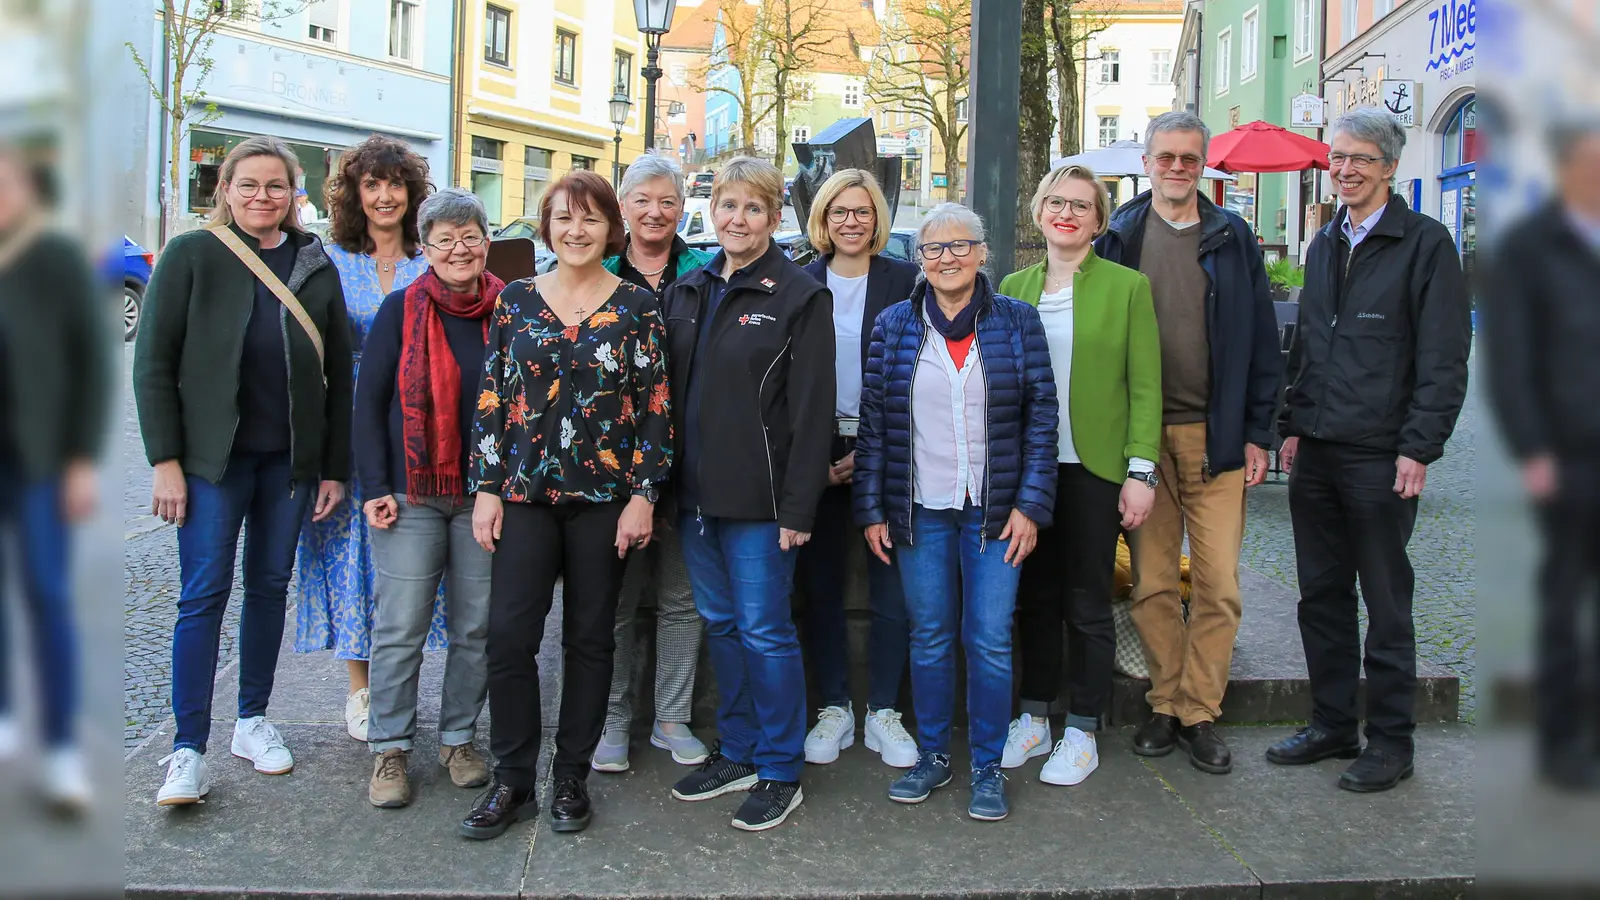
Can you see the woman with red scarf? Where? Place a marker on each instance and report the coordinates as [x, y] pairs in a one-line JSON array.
[[414, 411]]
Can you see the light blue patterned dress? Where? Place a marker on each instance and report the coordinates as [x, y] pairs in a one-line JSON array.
[[336, 574]]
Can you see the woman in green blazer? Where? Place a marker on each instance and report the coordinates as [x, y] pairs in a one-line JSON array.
[[1106, 352]]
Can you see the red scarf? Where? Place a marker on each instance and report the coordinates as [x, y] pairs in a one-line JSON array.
[[430, 382]]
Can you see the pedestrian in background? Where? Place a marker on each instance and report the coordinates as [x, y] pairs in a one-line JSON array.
[[242, 377], [1377, 376], [376, 249]]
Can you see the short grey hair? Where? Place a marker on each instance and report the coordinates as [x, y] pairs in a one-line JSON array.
[[1179, 120], [951, 214], [649, 167], [1375, 126], [451, 206]]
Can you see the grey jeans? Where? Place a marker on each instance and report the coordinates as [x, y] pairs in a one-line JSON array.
[[430, 540], [678, 629]]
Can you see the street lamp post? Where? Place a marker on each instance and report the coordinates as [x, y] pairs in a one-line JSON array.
[[654, 18], [620, 104]]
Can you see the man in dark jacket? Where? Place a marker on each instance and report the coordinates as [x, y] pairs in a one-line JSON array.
[[1378, 372], [1543, 328], [1221, 367]]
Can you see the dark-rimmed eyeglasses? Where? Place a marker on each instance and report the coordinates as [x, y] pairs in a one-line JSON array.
[[935, 249], [864, 214], [1057, 204], [277, 190], [448, 245]]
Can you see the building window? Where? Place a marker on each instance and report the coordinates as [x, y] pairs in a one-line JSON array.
[[961, 110], [324, 21], [1381, 8], [1302, 27], [1224, 59], [678, 74], [582, 162], [1461, 137], [497, 36], [1350, 9], [852, 94], [402, 26], [1250, 45], [535, 178], [488, 175], [802, 134], [1108, 130], [622, 72], [1160, 66], [566, 57], [1110, 67]]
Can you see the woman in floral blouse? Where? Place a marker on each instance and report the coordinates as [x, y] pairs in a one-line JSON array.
[[573, 440]]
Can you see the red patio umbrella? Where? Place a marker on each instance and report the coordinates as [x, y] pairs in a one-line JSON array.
[[1264, 147]]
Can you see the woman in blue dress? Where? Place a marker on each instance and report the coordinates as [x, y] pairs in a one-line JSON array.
[[372, 205]]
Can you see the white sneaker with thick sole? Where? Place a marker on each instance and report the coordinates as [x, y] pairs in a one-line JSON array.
[[888, 738], [835, 730], [66, 780], [256, 740], [355, 714], [188, 779], [1076, 755], [1028, 737]]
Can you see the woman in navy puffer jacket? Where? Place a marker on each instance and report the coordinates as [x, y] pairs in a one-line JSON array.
[[955, 473]]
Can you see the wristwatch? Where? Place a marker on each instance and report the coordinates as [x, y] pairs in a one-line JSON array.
[[649, 492], [1150, 478]]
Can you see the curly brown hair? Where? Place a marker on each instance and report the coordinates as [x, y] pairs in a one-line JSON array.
[[380, 157]]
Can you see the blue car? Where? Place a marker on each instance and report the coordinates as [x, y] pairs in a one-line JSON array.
[[135, 275]]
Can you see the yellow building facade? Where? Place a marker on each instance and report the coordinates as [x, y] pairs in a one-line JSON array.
[[534, 81]]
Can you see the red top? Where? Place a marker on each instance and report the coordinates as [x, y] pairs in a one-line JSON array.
[[958, 349]]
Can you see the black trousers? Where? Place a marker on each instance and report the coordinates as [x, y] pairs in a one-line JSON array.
[[539, 543], [1068, 579], [1568, 674], [1349, 524]]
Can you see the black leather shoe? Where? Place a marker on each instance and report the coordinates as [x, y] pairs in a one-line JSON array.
[[1377, 770], [1312, 744], [569, 805], [1157, 736], [1206, 750], [497, 809]]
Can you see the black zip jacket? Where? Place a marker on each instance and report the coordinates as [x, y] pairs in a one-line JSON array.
[[1379, 358], [1542, 327], [766, 401]]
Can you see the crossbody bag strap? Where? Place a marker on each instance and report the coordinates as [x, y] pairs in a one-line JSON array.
[[273, 283], [20, 241]]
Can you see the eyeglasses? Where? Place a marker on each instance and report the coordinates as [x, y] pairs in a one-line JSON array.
[[934, 250], [277, 190], [1057, 204], [447, 245], [1168, 160], [1358, 160], [838, 214]]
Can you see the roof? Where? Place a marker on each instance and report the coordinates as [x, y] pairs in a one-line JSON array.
[[693, 27]]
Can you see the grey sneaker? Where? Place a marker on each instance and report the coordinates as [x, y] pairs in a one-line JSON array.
[[686, 748], [611, 754]]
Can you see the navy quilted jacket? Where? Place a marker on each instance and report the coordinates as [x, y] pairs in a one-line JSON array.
[[1021, 404]]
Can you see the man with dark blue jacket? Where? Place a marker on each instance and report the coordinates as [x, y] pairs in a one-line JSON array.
[[1220, 370]]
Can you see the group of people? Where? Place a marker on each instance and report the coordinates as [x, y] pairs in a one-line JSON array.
[[712, 427]]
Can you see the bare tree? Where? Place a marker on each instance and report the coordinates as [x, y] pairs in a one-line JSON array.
[[799, 34], [1033, 137], [922, 66], [1073, 23], [188, 30], [742, 51]]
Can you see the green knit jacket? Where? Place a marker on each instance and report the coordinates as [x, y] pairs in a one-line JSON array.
[[1114, 389]]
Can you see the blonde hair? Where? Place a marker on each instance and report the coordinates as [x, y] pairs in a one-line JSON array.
[[837, 183], [1102, 197], [261, 145], [756, 174]]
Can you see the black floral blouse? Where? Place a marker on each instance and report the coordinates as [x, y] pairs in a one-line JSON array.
[[572, 414]]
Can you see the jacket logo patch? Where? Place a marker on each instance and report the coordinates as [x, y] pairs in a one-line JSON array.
[[768, 283], [1370, 316], [756, 318]]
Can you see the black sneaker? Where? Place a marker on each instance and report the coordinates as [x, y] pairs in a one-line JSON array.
[[769, 803], [716, 776]]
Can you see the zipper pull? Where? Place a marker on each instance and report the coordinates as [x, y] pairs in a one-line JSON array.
[[1335, 322]]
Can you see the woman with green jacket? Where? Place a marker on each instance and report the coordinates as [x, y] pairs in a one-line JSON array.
[[1101, 326]]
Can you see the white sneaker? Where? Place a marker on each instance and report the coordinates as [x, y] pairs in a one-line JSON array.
[[888, 738], [1076, 755], [835, 730], [66, 780], [10, 739], [188, 779], [256, 740], [1027, 738], [355, 714]]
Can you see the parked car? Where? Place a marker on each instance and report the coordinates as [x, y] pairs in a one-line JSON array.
[[135, 270], [902, 245], [695, 224], [698, 184], [795, 245]]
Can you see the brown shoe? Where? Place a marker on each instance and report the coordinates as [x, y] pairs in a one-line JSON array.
[[467, 766], [389, 787]]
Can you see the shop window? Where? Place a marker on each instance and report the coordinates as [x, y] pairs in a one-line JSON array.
[[207, 150], [582, 162], [488, 175], [535, 178], [1461, 137]]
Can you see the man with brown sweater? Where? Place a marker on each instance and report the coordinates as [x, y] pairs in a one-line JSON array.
[[1220, 371]]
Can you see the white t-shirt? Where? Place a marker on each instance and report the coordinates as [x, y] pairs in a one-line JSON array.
[[1055, 310], [849, 306]]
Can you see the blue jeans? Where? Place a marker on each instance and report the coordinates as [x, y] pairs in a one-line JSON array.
[[255, 493], [32, 514], [824, 572], [941, 565], [741, 586]]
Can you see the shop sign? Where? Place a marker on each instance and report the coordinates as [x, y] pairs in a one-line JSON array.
[[1400, 98], [1452, 38], [1306, 111]]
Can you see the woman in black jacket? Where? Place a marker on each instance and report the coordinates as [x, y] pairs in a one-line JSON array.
[[750, 339]]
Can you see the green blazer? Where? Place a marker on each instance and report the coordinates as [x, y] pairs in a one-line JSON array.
[[1114, 389]]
